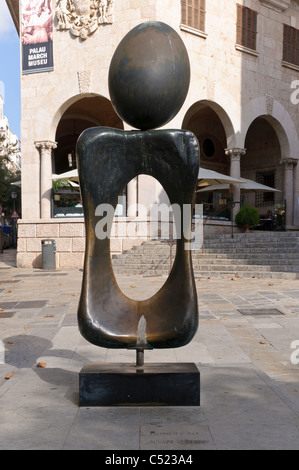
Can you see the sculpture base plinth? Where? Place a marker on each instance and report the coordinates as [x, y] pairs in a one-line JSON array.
[[164, 384]]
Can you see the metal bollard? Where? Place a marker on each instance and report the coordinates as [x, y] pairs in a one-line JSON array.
[[48, 254]]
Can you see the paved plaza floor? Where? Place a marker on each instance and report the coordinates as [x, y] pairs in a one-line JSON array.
[[246, 348]]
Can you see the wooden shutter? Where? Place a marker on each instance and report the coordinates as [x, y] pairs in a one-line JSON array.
[[246, 27], [183, 12], [239, 24], [196, 13], [252, 29], [202, 15], [290, 45], [190, 14], [193, 13], [286, 44]]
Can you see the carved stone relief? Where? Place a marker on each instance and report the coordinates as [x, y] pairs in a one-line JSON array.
[[210, 84], [84, 81], [83, 17], [269, 104]]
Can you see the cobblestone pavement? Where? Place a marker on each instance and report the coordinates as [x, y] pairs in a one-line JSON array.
[[246, 348]]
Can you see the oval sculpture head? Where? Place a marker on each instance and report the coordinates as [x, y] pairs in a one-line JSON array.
[[149, 76]]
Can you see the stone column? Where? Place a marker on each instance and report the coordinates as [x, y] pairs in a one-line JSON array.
[[45, 148], [288, 190], [235, 155]]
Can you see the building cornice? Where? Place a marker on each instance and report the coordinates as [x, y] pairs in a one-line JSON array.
[[277, 5], [13, 6]]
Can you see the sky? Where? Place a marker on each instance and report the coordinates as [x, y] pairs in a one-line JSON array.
[[10, 69]]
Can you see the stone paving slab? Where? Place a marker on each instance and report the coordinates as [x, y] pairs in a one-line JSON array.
[[249, 385]]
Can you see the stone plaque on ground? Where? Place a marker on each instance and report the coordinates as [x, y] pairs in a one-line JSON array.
[[176, 437]]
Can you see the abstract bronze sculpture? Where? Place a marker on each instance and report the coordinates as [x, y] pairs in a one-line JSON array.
[[148, 82]]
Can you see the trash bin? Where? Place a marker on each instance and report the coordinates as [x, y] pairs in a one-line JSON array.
[[48, 254]]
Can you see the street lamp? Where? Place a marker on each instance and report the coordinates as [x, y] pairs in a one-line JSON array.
[[14, 196], [14, 235]]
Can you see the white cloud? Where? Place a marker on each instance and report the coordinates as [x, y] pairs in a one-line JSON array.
[[6, 23]]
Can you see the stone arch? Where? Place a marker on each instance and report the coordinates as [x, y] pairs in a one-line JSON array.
[[221, 114], [215, 133], [271, 143], [104, 115], [73, 117], [281, 121], [261, 163]]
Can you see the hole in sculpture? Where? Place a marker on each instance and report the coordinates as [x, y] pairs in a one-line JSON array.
[[142, 244]]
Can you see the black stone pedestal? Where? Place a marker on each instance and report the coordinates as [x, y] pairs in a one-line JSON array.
[[151, 385]]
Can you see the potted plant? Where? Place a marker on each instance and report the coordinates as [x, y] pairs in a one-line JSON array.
[[247, 217], [58, 185]]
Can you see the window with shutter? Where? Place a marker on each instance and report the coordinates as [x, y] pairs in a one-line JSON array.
[[290, 45], [193, 14], [246, 27]]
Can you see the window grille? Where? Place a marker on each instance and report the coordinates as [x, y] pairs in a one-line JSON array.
[[266, 177]]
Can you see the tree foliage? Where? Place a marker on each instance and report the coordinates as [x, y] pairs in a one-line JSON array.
[[247, 216], [7, 176]]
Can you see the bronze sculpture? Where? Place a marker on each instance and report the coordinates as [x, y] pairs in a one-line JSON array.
[[146, 89]]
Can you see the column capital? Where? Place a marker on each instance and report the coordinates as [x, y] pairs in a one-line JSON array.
[[288, 163], [235, 153], [45, 145]]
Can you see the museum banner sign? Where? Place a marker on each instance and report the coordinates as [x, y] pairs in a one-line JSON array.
[[37, 36]]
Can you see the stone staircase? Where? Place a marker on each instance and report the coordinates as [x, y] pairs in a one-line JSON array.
[[255, 254]]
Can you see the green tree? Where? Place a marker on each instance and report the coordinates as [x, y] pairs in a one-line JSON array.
[[8, 176], [247, 217]]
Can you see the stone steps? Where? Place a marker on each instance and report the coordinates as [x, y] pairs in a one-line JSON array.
[[165, 265], [270, 255], [236, 264], [152, 257], [213, 274]]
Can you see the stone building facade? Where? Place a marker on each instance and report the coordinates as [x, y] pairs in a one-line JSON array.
[[242, 105]]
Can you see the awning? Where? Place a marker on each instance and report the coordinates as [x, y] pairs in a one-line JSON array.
[[211, 177], [71, 175], [245, 186]]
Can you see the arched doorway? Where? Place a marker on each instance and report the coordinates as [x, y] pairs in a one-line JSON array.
[[262, 164], [211, 125], [90, 111], [83, 113]]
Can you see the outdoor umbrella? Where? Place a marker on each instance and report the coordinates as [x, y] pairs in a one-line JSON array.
[[245, 186], [205, 177], [71, 175], [211, 177]]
